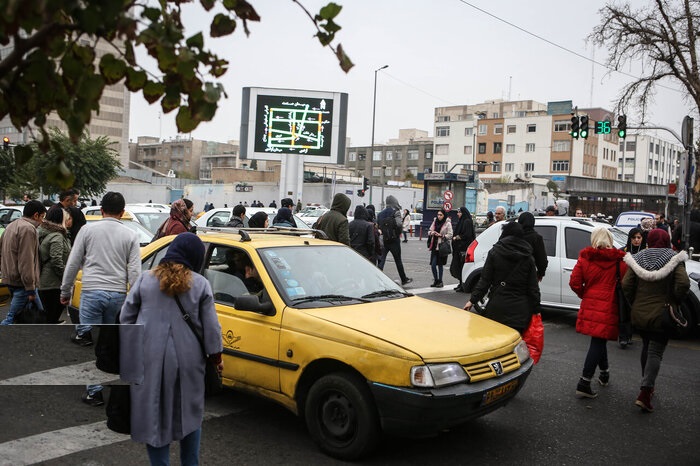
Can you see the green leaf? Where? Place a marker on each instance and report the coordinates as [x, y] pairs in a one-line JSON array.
[[222, 25], [151, 13], [135, 79], [345, 63], [112, 68], [184, 120], [330, 11], [60, 175], [153, 91], [196, 41], [324, 38], [212, 93], [207, 4], [129, 55], [23, 154]]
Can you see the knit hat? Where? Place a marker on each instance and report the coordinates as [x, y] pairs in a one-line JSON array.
[[658, 238], [186, 249]]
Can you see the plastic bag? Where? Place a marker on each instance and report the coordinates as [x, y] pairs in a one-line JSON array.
[[31, 313], [534, 337]]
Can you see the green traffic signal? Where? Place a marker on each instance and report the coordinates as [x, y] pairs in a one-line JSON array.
[[622, 126], [574, 127], [583, 131]]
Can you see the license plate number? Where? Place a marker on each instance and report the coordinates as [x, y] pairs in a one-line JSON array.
[[497, 393]]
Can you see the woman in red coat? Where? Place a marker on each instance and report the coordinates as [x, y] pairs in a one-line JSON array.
[[179, 221], [593, 280]]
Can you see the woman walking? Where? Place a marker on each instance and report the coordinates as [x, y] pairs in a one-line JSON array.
[[593, 280], [463, 237], [54, 248], [406, 226], [656, 276], [440, 231], [509, 277], [635, 241], [167, 400], [179, 221]]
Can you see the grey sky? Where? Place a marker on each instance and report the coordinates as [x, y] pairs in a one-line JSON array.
[[439, 53]]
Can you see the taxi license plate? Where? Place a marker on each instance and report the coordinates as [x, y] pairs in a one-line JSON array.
[[497, 393]]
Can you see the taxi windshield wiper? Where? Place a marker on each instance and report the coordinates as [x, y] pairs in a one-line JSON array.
[[382, 293], [327, 297]]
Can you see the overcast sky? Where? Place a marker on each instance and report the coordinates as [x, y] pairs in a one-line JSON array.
[[440, 53]]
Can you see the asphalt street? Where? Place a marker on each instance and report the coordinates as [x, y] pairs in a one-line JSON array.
[[42, 419]]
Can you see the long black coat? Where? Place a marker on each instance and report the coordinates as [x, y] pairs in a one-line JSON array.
[[535, 240], [465, 231], [511, 276], [362, 233]]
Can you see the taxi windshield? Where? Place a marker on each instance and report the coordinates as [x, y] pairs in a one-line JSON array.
[[320, 276]]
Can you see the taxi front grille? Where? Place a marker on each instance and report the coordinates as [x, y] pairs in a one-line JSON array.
[[489, 369]]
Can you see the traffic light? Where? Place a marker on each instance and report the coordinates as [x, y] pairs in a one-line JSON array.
[[365, 184], [5, 142], [583, 127], [622, 126], [574, 127], [360, 193]]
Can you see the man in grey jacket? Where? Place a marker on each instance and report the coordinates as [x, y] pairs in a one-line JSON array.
[[109, 255]]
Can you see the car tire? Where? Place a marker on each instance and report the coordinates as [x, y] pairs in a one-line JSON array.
[[341, 417]]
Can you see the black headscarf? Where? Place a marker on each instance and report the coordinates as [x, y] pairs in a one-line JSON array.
[[527, 221], [257, 220], [439, 223], [284, 214], [186, 249], [631, 249]]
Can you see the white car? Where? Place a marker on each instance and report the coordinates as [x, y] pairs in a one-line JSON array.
[[564, 238], [220, 216], [628, 220], [163, 207], [9, 214], [312, 216], [149, 217]]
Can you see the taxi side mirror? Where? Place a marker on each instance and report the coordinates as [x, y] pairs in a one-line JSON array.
[[252, 303]]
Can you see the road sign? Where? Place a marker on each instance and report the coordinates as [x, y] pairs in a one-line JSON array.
[[447, 206], [448, 195]]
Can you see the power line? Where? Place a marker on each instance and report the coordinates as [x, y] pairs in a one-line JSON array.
[[418, 89]]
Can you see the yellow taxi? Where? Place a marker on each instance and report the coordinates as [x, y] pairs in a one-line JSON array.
[[323, 332]]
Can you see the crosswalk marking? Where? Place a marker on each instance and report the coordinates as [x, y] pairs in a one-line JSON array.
[[57, 443], [76, 374]]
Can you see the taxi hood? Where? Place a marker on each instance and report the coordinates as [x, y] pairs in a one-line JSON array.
[[433, 331]]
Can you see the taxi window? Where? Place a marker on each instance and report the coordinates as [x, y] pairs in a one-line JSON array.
[[575, 240], [153, 260], [549, 235], [219, 219], [231, 274]]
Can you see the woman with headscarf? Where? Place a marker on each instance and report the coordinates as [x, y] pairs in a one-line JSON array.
[[656, 276], [463, 237], [284, 218], [54, 248], [166, 365], [405, 224], [440, 230], [259, 220], [179, 221], [534, 239], [635, 241], [509, 277], [593, 280]]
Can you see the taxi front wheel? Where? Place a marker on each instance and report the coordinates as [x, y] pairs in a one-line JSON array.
[[341, 417]]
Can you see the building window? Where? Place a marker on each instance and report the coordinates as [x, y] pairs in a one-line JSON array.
[[497, 147], [413, 171], [521, 114], [510, 148], [561, 146], [389, 155], [530, 147], [482, 147], [530, 167], [387, 172], [511, 129], [442, 131], [376, 172], [498, 128], [412, 154], [510, 167], [377, 155], [440, 149], [531, 128], [483, 129], [468, 131], [361, 156], [397, 171], [352, 156], [468, 150], [496, 167], [632, 146], [440, 167], [560, 165], [428, 155], [443, 118], [562, 126], [397, 156]]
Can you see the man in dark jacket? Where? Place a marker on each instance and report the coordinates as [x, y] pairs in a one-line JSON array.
[[237, 217], [334, 223], [362, 233], [392, 243], [511, 277], [286, 202], [527, 221]]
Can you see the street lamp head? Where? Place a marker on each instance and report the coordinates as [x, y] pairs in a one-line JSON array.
[[385, 66]]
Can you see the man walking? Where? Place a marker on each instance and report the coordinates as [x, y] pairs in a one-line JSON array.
[[108, 253], [19, 259], [390, 223], [334, 223]]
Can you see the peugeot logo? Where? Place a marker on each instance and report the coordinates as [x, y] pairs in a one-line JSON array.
[[497, 367]]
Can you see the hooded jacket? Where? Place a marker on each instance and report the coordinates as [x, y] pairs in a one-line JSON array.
[[527, 221], [362, 233], [510, 275], [593, 280], [54, 248], [651, 274], [393, 208], [335, 222]]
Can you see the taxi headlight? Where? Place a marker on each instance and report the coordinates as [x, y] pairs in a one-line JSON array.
[[437, 375], [522, 352]]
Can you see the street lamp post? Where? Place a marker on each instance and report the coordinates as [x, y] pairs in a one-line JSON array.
[[374, 108], [381, 201]]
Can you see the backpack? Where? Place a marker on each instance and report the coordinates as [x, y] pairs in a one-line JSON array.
[[389, 229]]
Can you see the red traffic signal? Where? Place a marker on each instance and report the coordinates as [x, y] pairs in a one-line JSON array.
[[6, 142]]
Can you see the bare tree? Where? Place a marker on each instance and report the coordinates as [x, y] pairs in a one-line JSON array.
[[662, 37]]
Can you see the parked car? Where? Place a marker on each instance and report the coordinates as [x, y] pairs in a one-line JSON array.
[[628, 220], [337, 342], [312, 216], [564, 238], [9, 214], [162, 207], [219, 217], [149, 217], [145, 236]]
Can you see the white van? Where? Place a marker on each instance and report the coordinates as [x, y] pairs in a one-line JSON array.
[[628, 220]]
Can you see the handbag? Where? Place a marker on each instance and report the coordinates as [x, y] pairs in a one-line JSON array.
[[212, 378], [444, 249], [118, 409], [673, 322], [534, 337], [31, 313], [623, 305]]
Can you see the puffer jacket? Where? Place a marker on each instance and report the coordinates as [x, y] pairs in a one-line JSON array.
[[54, 248], [646, 284], [593, 280], [510, 274]]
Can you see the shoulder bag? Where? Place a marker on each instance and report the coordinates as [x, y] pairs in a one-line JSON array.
[[31, 313], [673, 321], [624, 308], [212, 378]]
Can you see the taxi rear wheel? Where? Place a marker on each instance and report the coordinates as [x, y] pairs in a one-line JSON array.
[[341, 416]]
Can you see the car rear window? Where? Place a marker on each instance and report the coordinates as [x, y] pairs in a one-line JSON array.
[[575, 240], [549, 235]]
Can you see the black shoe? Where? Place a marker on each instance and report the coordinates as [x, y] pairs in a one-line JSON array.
[[82, 340], [439, 284], [435, 282], [459, 288], [405, 241], [94, 400], [407, 281], [604, 378], [584, 390]]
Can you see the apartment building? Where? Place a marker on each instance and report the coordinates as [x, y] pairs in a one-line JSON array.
[[649, 159]]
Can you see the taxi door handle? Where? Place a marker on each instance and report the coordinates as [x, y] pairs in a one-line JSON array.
[[568, 269]]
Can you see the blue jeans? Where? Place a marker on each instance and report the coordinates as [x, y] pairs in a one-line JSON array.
[[597, 356], [20, 297], [435, 266], [99, 307], [189, 451]]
